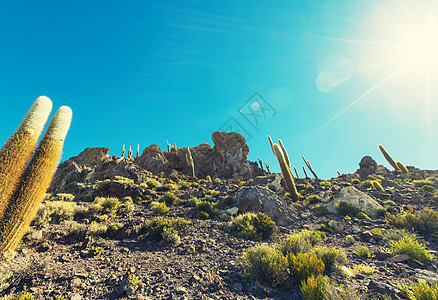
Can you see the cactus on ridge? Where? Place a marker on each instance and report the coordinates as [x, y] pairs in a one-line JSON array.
[[285, 170], [401, 167], [123, 152], [190, 162], [129, 152], [309, 166], [388, 157]]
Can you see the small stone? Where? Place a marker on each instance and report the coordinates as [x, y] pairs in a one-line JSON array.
[[190, 249], [232, 211], [76, 297], [238, 287], [75, 282], [335, 225], [181, 290], [399, 258]]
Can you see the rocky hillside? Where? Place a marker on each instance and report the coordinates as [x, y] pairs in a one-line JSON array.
[[143, 228]]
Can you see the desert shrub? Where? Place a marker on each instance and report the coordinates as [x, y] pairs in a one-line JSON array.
[[192, 201], [268, 264], [122, 179], [424, 222], [209, 207], [63, 197], [364, 269], [24, 295], [160, 208], [203, 215], [314, 287], [345, 208], [428, 188], [151, 183], [96, 229], [171, 236], [320, 209], [363, 216], [254, 227], [113, 228], [304, 187], [313, 199], [432, 181], [421, 291], [363, 251], [134, 279], [304, 265], [411, 247], [127, 206], [101, 183], [366, 184], [109, 204], [397, 234], [325, 183], [55, 212], [350, 239], [171, 186], [302, 241], [169, 198], [355, 181], [212, 193], [331, 257], [154, 228], [96, 251], [389, 203]]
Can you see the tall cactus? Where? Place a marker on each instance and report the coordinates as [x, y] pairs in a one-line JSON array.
[[401, 167], [19, 148], [309, 166], [285, 170], [123, 152], [190, 162], [388, 157], [129, 152], [26, 198], [286, 156]]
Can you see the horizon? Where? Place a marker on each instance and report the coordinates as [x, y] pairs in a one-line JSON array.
[[331, 80]]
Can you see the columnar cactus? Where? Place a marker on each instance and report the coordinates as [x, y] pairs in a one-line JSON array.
[[271, 143], [19, 148], [309, 166], [129, 152], [388, 157], [285, 170], [296, 173], [123, 152], [138, 150], [190, 162], [339, 173], [27, 196], [377, 185], [305, 173], [286, 156], [401, 167], [267, 167], [168, 145], [260, 162]]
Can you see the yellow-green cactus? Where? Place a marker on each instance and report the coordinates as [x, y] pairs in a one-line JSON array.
[[401, 167], [129, 152], [296, 173], [138, 150], [33, 184], [377, 185], [271, 143], [388, 157], [286, 156], [19, 148], [123, 152], [285, 170]]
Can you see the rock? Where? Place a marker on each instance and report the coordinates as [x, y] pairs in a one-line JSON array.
[[76, 283], [261, 199], [336, 225], [125, 232], [399, 258], [153, 160], [190, 249], [91, 157], [76, 297], [121, 189], [180, 290], [367, 166], [232, 211], [385, 289], [356, 198], [113, 166], [238, 287]]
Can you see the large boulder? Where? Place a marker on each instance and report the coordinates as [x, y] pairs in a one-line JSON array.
[[114, 166], [356, 198], [368, 166], [153, 160], [261, 199], [91, 157]]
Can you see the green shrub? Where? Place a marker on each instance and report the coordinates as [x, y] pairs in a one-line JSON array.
[[97, 229], [169, 198], [171, 236], [325, 183], [114, 228], [314, 287], [363, 216], [203, 215], [389, 203], [134, 279], [126, 207], [428, 188], [363, 252], [109, 205], [313, 199], [254, 227], [264, 263], [212, 193], [304, 187], [410, 247], [302, 241], [160, 208], [364, 269], [350, 239], [424, 222], [366, 184], [151, 183], [304, 265], [209, 207], [63, 197], [345, 208], [96, 251], [331, 257], [320, 209], [355, 181], [55, 212], [421, 291], [154, 228]]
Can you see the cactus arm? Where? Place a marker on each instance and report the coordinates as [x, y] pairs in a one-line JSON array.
[[401, 167], [286, 156], [34, 183], [296, 173], [388, 157], [17, 151], [271, 143], [287, 175], [123, 152], [309, 166], [190, 162], [305, 173]]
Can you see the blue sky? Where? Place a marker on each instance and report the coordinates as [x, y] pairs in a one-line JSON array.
[[143, 73]]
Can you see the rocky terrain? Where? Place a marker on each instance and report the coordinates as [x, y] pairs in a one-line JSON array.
[[94, 236]]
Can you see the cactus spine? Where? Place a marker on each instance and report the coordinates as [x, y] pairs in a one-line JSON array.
[[285, 170], [19, 148], [34, 183], [388, 157], [309, 166], [190, 162], [401, 167]]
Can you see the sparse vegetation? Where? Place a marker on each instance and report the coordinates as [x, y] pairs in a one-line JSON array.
[[304, 265], [254, 227], [411, 247]]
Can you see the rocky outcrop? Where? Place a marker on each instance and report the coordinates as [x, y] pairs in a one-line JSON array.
[[153, 160], [368, 166], [261, 199], [356, 198]]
